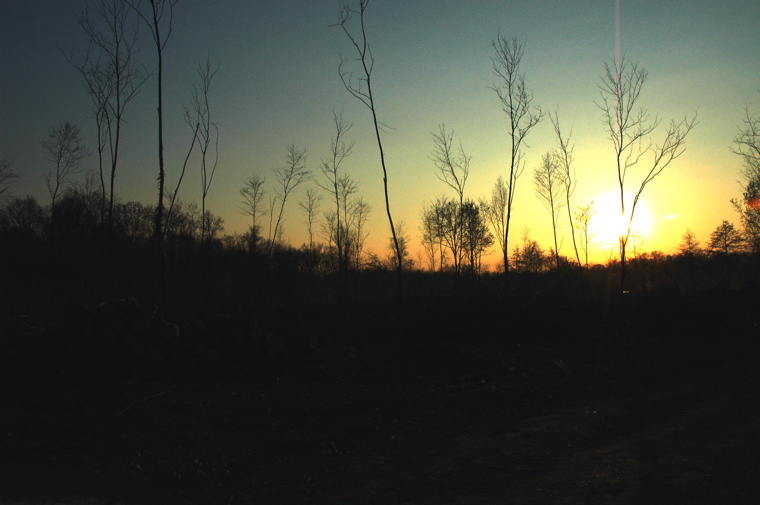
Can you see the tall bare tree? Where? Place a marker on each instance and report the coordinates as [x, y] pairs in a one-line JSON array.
[[112, 76], [65, 149], [360, 87], [630, 129], [253, 193], [159, 17], [289, 177], [516, 100], [340, 187], [563, 157], [550, 187], [198, 116]]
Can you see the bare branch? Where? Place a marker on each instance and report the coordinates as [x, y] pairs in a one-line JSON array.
[[452, 168]]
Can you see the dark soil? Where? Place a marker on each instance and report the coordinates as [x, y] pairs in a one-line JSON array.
[[659, 413]]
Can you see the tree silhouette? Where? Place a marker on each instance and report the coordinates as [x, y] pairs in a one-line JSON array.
[[563, 157], [747, 145], [112, 77], [253, 205], [26, 215], [7, 177], [630, 131], [341, 187], [64, 148], [159, 18], [453, 169], [583, 216], [725, 241], [550, 189], [360, 88], [289, 177], [198, 117], [310, 205], [477, 237], [689, 250], [516, 101]]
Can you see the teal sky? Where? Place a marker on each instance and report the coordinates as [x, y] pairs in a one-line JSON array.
[[278, 84]]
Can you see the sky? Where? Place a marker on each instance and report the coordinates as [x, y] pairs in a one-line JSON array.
[[278, 84]]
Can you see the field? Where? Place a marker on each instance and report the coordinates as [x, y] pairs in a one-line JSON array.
[[648, 399]]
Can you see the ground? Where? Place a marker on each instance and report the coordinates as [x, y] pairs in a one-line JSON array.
[[643, 416]]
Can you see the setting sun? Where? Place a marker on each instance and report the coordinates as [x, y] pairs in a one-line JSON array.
[[608, 224]]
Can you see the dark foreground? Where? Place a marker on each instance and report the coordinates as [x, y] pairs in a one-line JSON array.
[[656, 411]]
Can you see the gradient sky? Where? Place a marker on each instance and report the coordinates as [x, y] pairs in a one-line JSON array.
[[278, 84]]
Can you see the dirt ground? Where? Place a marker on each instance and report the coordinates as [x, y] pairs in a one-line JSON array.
[[626, 421]]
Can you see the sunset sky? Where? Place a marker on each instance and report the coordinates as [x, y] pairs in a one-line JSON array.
[[278, 84]]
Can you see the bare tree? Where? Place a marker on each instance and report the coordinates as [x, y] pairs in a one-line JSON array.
[[27, 215], [447, 218], [583, 217], [403, 240], [360, 88], [563, 156], [361, 213], [310, 205], [747, 145], [496, 213], [253, 204], [550, 187], [198, 116], [516, 102], [452, 168], [289, 177], [159, 17], [432, 241], [630, 130], [172, 196], [340, 187], [341, 225], [7, 176], [64, 148], [477, 237], [112, 77], [531, 257], [135, 220]]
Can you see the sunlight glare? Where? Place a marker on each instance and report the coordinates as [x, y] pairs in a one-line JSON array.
[[608, 224]]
